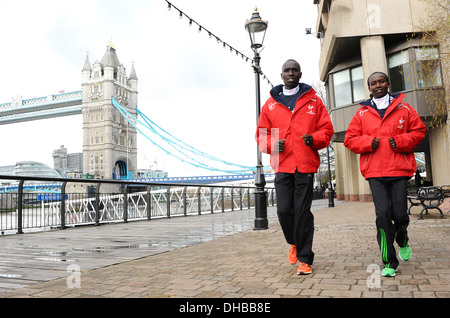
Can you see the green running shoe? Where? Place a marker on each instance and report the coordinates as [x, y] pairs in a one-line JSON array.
[[404, 253], [388, 272]]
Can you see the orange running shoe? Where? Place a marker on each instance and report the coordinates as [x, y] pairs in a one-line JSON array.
[[292, 256], [304, 269]]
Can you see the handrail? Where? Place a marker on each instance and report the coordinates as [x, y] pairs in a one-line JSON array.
[[111, 181], [154, 200]]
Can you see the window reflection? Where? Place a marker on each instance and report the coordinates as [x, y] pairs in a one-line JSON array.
[[428, 68], [358, 84], [348, 86], [342, 89], [400, 72]]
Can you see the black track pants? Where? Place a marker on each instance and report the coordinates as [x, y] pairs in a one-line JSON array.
[[389, 198], [294, 197]]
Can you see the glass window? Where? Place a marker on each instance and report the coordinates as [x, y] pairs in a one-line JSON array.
[[348, 86], [342, 88], [400, 72], [358, 84], [428, 68]]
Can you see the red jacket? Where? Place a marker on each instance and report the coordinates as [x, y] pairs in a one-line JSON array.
[[278, 122], [400, 121]]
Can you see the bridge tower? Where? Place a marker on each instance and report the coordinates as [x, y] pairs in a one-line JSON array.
[[109, 140]]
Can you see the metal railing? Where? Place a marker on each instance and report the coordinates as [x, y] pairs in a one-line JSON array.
[[97, 202]]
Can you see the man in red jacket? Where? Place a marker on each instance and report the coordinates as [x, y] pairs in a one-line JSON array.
[[293, 125], [385, 131]]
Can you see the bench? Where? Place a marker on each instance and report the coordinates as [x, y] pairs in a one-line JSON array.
[[446, 191], [428, 198]]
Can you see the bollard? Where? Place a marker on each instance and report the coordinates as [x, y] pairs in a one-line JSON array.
[[20, 208], [149, 203], [63, 205]]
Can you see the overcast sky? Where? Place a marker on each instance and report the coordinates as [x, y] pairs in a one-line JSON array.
[[188, 84]]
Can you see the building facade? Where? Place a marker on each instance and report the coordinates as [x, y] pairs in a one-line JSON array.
[[361, 37], [29, 169], [67, 164], [109, 140]]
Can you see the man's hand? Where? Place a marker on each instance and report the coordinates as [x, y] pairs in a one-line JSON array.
[[279, 145], [392, 142], [375, 143], [308, 139]]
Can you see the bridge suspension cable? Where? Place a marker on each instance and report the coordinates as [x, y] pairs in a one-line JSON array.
[[179, 149]]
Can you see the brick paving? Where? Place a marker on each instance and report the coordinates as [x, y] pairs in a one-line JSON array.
[[253, 264]]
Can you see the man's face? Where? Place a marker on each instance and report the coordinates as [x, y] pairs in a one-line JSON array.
[[291, 74], [378, 85]]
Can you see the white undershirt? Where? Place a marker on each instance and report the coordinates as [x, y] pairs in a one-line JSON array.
[[382, 102], [289, 92]]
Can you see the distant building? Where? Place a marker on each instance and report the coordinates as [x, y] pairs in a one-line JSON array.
[[7, 170], [67, 165], [29, 169]]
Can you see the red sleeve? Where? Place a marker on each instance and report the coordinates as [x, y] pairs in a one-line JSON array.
[[324, 127], [408, 141]]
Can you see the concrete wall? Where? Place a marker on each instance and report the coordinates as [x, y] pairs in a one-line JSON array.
[[369, 18]]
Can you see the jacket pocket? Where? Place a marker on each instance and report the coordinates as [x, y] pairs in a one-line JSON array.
[[364, 161], [406, 163], [406, 159]]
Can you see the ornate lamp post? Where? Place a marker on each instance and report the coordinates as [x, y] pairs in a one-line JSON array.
[[256, 29]]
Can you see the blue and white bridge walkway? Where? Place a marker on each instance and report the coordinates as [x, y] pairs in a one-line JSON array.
[[193, 180]]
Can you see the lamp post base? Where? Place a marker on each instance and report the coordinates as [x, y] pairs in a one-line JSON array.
[[330, 198], [261, 222]]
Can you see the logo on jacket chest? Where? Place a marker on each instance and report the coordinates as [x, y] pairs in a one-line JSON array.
[[311, 110], [401, 121]]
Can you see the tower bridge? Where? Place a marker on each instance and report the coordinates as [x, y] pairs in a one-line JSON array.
[[58, 105], [108, 105], [109, 143]]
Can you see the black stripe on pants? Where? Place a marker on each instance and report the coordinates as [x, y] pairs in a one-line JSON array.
[[391, 206], [294, 198]]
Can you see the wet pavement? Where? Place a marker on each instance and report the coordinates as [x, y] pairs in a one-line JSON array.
[[220, 256], [43, 256]]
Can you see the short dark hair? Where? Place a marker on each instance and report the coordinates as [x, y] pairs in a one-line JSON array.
[[291, 60], [368, 79]]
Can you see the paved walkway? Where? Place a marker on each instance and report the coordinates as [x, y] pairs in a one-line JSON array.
[[220, 256]]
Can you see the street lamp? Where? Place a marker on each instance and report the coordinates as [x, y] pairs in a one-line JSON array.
[[256, 29]]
